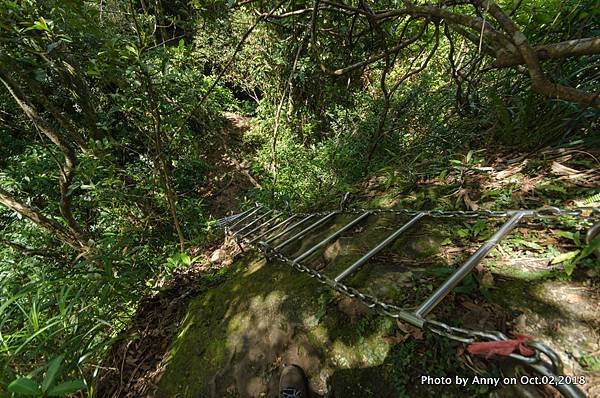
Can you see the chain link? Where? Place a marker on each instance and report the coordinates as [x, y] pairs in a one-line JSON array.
[[587, 215], [458, 334], [467, 336], [373, 302]]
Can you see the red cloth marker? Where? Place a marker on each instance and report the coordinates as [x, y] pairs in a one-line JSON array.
[[503, 348]]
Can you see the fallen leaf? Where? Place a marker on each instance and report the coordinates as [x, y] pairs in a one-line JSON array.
[[487, 280], [563, 170]]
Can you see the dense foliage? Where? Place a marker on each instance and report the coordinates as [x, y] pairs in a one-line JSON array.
[[109, 111]]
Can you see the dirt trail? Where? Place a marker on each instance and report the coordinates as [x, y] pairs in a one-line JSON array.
[[135, 361], [228, 177]]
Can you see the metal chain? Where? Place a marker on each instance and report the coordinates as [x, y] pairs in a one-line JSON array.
[[462, 335], [372, 302], [584, 214], [368, 300]]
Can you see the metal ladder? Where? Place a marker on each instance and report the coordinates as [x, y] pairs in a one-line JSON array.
[[259, 227]]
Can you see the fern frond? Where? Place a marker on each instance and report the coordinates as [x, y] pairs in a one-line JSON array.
[[592, 199]]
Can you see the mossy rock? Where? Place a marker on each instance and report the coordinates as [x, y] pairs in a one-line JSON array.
[[236, 337]]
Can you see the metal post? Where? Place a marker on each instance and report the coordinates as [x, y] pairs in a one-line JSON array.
[[359, 263], [331, 237], [270, 220], [468, 266], [288, 229], [273, 228], [252, 222], [306, 230], [245, 217], [411, 318]]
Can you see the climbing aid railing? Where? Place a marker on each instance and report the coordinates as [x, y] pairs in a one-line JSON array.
[[260, 228]]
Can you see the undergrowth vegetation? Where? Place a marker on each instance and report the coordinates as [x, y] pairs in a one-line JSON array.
[[111, 115]]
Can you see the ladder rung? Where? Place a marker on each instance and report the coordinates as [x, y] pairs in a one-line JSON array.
[[252, 222], [360, 262], [273, 228], [306, 230], [288, 229], [468, 266], [244, 217], [331, 237], [270, 220], [226, 220]]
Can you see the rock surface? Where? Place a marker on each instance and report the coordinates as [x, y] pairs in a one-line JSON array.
[[237, 336]]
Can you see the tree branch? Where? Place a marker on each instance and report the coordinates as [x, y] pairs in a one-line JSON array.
[[539, 82], [377, 57], [30, 251], [68, 170], [563, 49], [39, 219]]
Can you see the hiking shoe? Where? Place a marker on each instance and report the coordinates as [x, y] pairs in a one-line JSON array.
[[292, 383]]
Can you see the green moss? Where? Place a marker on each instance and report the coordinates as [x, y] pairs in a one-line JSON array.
[[265, 309], [521, 294], [201, 347], [385, 201], [222, 327], [521, 274]]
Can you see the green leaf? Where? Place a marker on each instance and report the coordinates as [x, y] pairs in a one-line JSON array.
[[24, 386], [462, 233], [40, 24], [592, 199], [478, 227], [185, 259], [569, 268], [469, 156], [561, 258], [53, 368], [589, 249], [531, 245], [132, 50], [574, 236], [67, 387], [552, 188]]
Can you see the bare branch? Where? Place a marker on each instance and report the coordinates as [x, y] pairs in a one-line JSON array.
[[377, 57], [539, 82], [30, 251], [563, 49], [39, 219], [68, 170]]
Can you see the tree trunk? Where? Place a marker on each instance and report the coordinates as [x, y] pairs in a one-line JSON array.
[[163, 172]]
